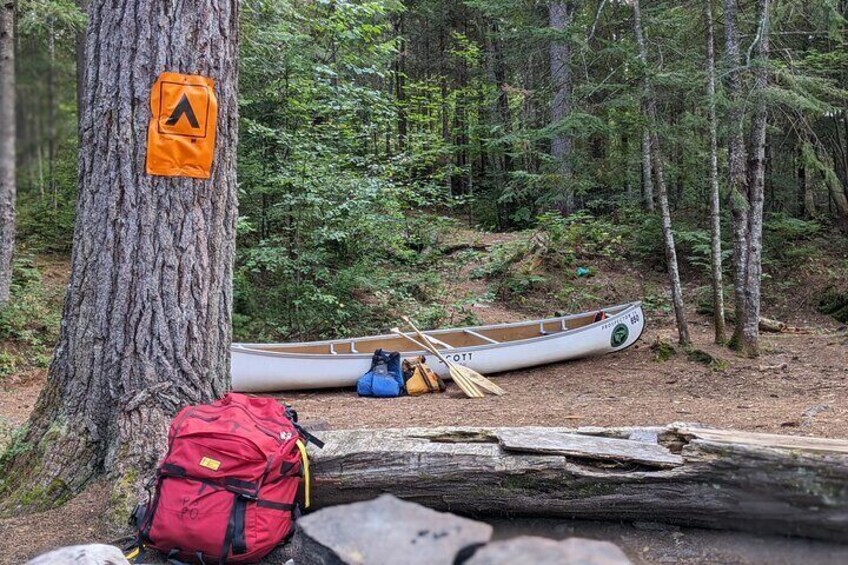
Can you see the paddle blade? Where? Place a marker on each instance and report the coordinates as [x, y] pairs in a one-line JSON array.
[[464, 384], [479, 380]]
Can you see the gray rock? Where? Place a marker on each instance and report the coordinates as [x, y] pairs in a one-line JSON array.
[[544, 551], [93, 554], [385, 530]]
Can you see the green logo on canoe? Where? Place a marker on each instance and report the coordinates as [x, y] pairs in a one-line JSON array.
[[619, 335]]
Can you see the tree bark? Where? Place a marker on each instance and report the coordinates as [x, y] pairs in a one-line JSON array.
[[839, 197], [7, 146], [647, 179], [736, 164], [715, 195], [650, 105], [51, 111], [501, 115], [756, 192], [806, 183], [400, 80], [80, 61], [560, 17], [146, 322], [678, 474]]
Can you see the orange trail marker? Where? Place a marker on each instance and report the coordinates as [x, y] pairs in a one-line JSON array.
[[181, 133]]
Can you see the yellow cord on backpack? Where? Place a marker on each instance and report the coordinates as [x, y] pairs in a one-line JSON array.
[[305, 459], [132, 554]]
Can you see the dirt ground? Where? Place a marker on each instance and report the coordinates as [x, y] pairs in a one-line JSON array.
[[799, 386]]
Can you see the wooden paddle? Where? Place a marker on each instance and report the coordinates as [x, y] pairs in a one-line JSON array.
[[464, 384], [467, 373]]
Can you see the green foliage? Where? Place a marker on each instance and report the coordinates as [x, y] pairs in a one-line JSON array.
[[327, 246], [30, 316], [787, 239], [364, 123], [15, 447], [46, 227], [8, 364], [536, 259], [834, 303], [29, 322], [663, 350]]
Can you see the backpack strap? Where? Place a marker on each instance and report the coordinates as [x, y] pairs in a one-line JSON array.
[[309, 437], [305, 459]]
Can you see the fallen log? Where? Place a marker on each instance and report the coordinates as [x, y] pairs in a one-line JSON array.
[[778, 327], [717, 479]]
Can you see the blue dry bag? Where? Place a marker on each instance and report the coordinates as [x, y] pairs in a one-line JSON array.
[[384, 379]]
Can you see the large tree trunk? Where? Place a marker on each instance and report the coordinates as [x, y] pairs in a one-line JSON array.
[[560, 16], [736, 164], [678, 474], [756, 192], [715, 195], [7, 146], [650, 104], [146, 323]]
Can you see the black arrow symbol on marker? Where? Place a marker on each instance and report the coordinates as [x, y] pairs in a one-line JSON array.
[[183, 109]]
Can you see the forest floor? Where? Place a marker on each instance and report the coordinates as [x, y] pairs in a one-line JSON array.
[[799, 386]]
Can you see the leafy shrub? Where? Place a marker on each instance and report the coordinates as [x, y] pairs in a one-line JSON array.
[[834, 303], [784, 238], [8, 364], [30, 317], [559, 243], [693, 246]]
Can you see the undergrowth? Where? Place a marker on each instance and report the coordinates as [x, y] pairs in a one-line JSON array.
[[29, 323]]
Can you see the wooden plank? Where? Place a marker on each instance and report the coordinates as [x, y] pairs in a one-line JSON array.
[[587, 447]]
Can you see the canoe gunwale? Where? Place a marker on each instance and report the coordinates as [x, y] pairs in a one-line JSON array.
[[253, 348]]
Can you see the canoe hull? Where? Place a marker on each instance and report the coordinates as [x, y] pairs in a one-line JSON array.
[[254, 370]]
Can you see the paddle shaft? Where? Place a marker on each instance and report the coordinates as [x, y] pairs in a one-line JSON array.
[[413, 340], [426, 340], [461, 380]]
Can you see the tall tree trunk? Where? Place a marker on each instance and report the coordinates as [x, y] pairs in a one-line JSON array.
[[560, 16], [146, 323], [7, 146], [51, 111], [501, 114], [650, 104], [750, 324], [647, 179], [736, 164], [400, 79], [715, 196], [837, 190], [806, 183], [80, 60]]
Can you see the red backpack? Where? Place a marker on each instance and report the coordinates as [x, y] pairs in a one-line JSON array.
[[226, 489]]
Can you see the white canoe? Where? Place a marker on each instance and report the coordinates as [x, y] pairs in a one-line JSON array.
[[267, 367]]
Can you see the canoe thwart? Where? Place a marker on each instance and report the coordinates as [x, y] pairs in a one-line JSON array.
[[481, 336]]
